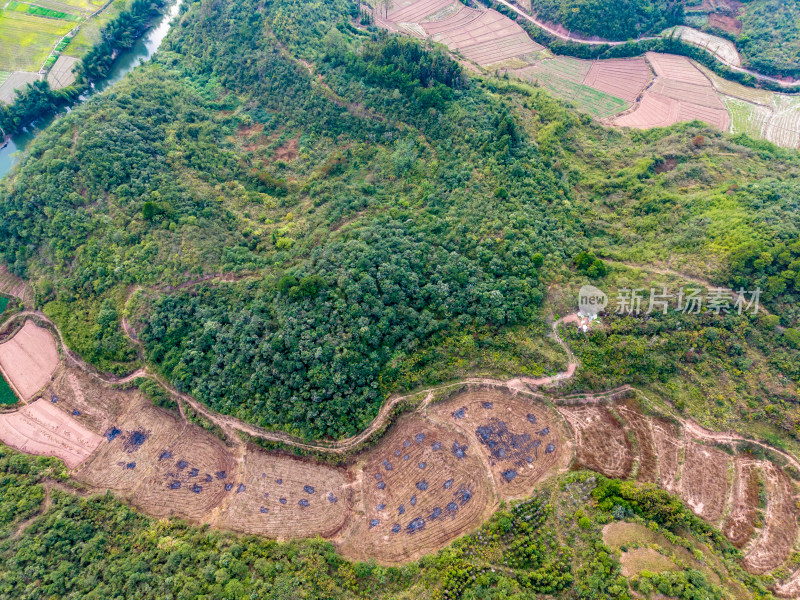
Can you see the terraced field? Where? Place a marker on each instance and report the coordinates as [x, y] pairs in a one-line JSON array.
[[437, 473], [681, 92], [483, 37], [564, 77], [715, 45], [747, 117]]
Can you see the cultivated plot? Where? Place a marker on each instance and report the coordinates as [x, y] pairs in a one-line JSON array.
[[29, 359], [284, 497], [42, 428], [680, 93], [624, 78], [61, 75], [600, 439], [521, 441], [715, 45], [564, 76], [26, 40], [423, 485], [738, 526], [704, 481], [15, 81]]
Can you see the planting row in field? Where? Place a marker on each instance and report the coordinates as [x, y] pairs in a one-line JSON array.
[[484, 37]]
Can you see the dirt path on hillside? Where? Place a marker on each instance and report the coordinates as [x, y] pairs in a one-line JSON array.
[[527, 385]]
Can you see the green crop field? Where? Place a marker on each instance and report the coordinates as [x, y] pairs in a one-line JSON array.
[[563, 76], [747, 117], [40, 11], [27, 40], [7, 395], [3, 76]]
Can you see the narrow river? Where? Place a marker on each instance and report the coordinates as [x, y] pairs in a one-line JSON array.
[[141, 52]]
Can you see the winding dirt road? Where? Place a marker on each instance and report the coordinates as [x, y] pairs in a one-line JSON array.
[[232, 426]]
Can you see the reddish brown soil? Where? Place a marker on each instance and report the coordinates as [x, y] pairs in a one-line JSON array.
[[704, 480], [646, 447], [777, 538], [725, 23], [601, 441], [422, 486], [738, 525], [286, 498]]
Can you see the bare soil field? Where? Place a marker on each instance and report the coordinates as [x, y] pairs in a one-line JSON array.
[[725, 23], [423, 486], [29, 359], [61, 75], [646, 450], [521, 440], [776, 541], [283, 497], [488, 38], [99, 406], [482, 36], [41, 428], [715, 45], [738, 526], [704, 481], [669, 444], [678, 68], [681, 92], [601, 442], [624, 78]]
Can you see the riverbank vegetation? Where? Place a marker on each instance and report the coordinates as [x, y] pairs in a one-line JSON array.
[[37, 100]]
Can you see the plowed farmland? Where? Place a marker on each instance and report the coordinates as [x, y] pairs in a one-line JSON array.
[[520, 441], [738, 525], [715, 45], [435, 475], [680, 93], [704, 481], [29, 359], [41, 428], [484, 37], [564, 77], [624, 78], [601, 442]]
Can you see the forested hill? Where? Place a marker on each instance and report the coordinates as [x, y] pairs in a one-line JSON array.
[[611, 19], [384, 220]]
